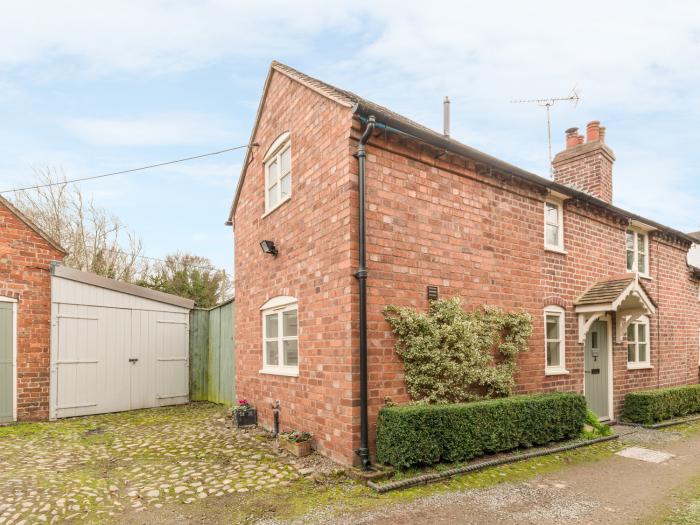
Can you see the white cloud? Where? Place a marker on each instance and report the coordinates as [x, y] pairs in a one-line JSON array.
[[150, 130], [635, 62], [158, 36]]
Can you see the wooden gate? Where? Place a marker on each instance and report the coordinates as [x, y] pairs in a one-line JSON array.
[[212, 347]]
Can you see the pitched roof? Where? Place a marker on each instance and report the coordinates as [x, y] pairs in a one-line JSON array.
[[612, 293], [394, 122], [30, 224], [695, 235], [604, 291], [93, 279]]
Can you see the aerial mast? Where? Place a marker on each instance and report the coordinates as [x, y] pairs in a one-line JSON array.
[[547, 103]]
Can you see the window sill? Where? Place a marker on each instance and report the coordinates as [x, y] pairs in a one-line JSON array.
[[556, 372], [556, 249], [284, 201], [642, 275], [639, 367], [293, 372]]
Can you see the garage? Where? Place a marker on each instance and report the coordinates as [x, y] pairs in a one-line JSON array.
[[115, 346]]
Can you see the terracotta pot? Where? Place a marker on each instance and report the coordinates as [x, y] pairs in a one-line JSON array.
[[299, 449]]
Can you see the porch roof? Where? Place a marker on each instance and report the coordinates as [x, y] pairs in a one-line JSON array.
[[624, 295], [616, 293]]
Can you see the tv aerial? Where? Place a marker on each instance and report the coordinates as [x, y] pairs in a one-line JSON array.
[[573, 96]]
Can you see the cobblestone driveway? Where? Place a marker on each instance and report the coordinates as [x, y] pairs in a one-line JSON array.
[[94, 468]]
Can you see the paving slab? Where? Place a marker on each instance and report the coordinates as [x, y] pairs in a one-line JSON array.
[[645, 454]]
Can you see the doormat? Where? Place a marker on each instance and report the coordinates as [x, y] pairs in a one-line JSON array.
[[645, 454]]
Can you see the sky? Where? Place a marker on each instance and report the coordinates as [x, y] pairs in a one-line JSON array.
[[94, 87]]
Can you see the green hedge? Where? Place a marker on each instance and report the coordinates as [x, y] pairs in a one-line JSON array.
[[652, 406], [411, 435]]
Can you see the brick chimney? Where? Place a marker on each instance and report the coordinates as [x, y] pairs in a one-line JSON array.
[[586, 166]]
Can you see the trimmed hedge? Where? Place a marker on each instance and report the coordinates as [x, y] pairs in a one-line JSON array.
[[651, 406], [411, 435]]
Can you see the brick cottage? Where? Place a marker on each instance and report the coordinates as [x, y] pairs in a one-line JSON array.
[[614, 302], [26, 254]]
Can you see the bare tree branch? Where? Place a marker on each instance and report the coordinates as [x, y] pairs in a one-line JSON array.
[[96, 241]]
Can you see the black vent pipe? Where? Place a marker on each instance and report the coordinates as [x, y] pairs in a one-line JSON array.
[[361, 275]]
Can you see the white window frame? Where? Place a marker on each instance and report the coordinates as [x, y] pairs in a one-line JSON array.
[[559, 246], [281, 144], [279, 305], [558, 311], [635, 260], [637, 364]]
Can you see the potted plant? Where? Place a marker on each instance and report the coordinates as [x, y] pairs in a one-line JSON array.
[[296, 442], [245, 414]]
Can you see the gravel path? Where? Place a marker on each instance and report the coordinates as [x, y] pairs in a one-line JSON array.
[[93, 468], [614, 490]]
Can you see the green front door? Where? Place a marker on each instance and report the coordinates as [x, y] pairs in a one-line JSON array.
[[596, 368], [6, 361]]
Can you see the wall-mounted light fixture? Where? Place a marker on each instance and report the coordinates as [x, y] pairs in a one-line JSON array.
[[268, 247]]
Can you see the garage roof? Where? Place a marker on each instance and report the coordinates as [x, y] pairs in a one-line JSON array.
[[120, 286]]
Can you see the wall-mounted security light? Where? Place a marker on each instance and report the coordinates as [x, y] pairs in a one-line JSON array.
[[268, 247]]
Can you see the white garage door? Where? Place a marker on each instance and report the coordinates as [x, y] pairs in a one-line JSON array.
[[116, 351]]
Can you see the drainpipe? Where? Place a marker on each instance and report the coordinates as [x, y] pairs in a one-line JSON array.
[[361, 276]]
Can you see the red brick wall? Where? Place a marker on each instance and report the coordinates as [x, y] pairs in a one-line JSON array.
[[24, 275], [315, 264], [439, 222], [430, 221], [588, 168]]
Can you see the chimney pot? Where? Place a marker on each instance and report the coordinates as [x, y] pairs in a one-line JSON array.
[[593, 131], [587, 163]]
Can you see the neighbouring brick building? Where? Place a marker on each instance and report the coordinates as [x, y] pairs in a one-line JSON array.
[[614, 302], [25, 316]]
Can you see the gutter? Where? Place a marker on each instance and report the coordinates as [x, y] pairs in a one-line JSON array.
[[361, 275], [390, 122]]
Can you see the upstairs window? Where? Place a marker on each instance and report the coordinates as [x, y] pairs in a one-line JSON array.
[[638, 344], [553, 226], [278, 173], [637, 246], [280, 336], [554, 340]]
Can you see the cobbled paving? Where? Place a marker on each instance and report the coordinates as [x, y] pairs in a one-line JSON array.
[[91, 469]]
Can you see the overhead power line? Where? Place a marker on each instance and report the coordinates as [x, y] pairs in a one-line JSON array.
[[122, 252], [112, 174]]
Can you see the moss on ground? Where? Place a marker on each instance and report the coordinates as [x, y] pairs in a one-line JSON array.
[[684, 509], [83, 457], [685, 429], [306, 498]]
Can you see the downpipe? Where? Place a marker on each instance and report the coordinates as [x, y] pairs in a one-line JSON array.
[[276, 418], [361, 275]]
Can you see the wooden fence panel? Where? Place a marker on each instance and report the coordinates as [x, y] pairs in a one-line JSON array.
[[227, 367], [214, 355], [199, 354], [212, 351]]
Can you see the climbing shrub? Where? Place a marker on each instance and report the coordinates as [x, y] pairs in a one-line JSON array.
[[451, 356], [422, 434], [651, 406]]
